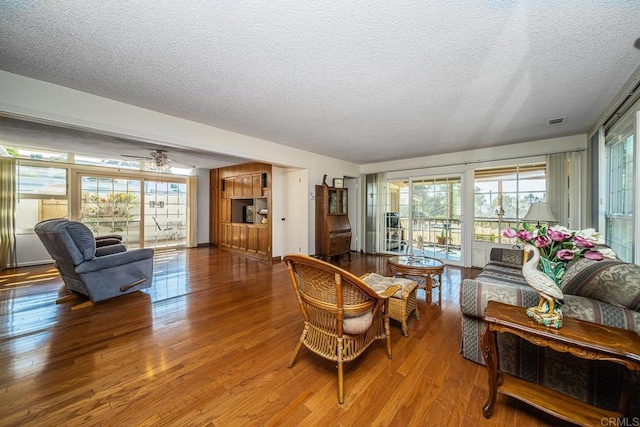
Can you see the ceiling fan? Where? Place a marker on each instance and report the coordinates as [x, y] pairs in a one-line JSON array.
[[157, 160]]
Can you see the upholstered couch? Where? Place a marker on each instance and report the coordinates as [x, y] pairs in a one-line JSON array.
[[605, 292]]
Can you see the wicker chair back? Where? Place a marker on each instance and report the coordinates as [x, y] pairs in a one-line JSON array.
[[342, 314]]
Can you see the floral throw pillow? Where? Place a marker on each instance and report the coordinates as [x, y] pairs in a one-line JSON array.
[[611, 281]]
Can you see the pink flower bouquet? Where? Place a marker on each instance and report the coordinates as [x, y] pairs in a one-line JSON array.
[[558, 245]]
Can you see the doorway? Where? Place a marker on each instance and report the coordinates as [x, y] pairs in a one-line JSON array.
[[146, 213], [423, 218], [296, 212]]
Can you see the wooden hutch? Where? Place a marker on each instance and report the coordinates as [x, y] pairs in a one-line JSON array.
[[333, 231], [240, 220]]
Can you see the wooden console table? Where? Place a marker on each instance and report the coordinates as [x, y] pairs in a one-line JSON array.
[[582, 339]]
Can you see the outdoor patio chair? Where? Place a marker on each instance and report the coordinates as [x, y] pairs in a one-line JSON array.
[[167, 231]]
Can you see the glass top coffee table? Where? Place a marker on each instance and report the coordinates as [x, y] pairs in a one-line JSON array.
[[428, 270]]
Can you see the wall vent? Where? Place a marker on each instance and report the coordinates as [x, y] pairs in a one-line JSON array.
[[557, 121]]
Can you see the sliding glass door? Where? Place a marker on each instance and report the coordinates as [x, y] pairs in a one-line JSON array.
[[112, 206], [165, 213], [423, 217], [147, 213]]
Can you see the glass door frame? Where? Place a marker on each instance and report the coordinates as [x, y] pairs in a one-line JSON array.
[[408, 222], [176, 237], [622, 230]]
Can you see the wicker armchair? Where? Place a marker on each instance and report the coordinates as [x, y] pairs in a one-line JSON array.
[[342, 314]]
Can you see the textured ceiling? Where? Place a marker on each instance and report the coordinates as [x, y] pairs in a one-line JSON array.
[[360, 81]]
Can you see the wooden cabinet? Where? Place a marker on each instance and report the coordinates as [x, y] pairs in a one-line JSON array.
[[257, 239], [225, 211], [227, 189], [333, 231], [214, 207], [256, 185], [245, 205]]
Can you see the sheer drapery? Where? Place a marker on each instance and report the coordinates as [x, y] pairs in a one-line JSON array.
[[565, 181], [7, 212], [192, 209], [375, 203]]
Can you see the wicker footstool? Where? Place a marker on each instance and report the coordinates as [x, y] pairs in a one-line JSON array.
[[402, 303]]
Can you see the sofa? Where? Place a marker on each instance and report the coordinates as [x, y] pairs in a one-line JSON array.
[[605, 292]]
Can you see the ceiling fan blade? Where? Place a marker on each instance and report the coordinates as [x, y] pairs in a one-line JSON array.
[[160, 157]]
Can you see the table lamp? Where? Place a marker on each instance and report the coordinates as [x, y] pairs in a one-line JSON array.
[[539, 211]]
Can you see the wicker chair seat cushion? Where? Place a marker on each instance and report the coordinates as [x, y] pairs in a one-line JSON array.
[[379, 283]]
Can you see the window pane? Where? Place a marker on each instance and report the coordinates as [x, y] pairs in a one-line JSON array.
[[44, 181], [111, 163], [503, 196], [29, 212], [165, 213], [619, 215], [112, 206], [27, 153]]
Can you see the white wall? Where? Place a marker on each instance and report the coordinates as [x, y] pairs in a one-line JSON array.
[[454, 162], [30, 98], [30, 251]]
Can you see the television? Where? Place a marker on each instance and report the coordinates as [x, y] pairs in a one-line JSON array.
[[249, 214]]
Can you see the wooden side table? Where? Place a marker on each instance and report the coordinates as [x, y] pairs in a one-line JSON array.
[[582, 339]]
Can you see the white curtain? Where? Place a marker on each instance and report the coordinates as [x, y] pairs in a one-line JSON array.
[[7, 212], [381, 208], [192, 209], [375, 198], [565, 184]]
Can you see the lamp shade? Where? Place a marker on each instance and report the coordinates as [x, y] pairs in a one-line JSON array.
[[539, 211]]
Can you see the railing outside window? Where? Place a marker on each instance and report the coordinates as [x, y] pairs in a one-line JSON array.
[[502, 198]]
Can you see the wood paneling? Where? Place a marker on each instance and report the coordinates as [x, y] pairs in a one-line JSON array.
[[214, 207], [208, 344], [245, 185]]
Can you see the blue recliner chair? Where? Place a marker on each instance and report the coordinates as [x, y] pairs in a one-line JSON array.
[[99, 273]]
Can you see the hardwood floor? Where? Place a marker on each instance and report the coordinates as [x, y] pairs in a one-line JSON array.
[[208, 344]]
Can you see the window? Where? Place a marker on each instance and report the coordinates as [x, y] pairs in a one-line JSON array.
[[30, 154], [503, 196], [110, 163], [619, 213], [112, 205], [165, 212], [42, 194]]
